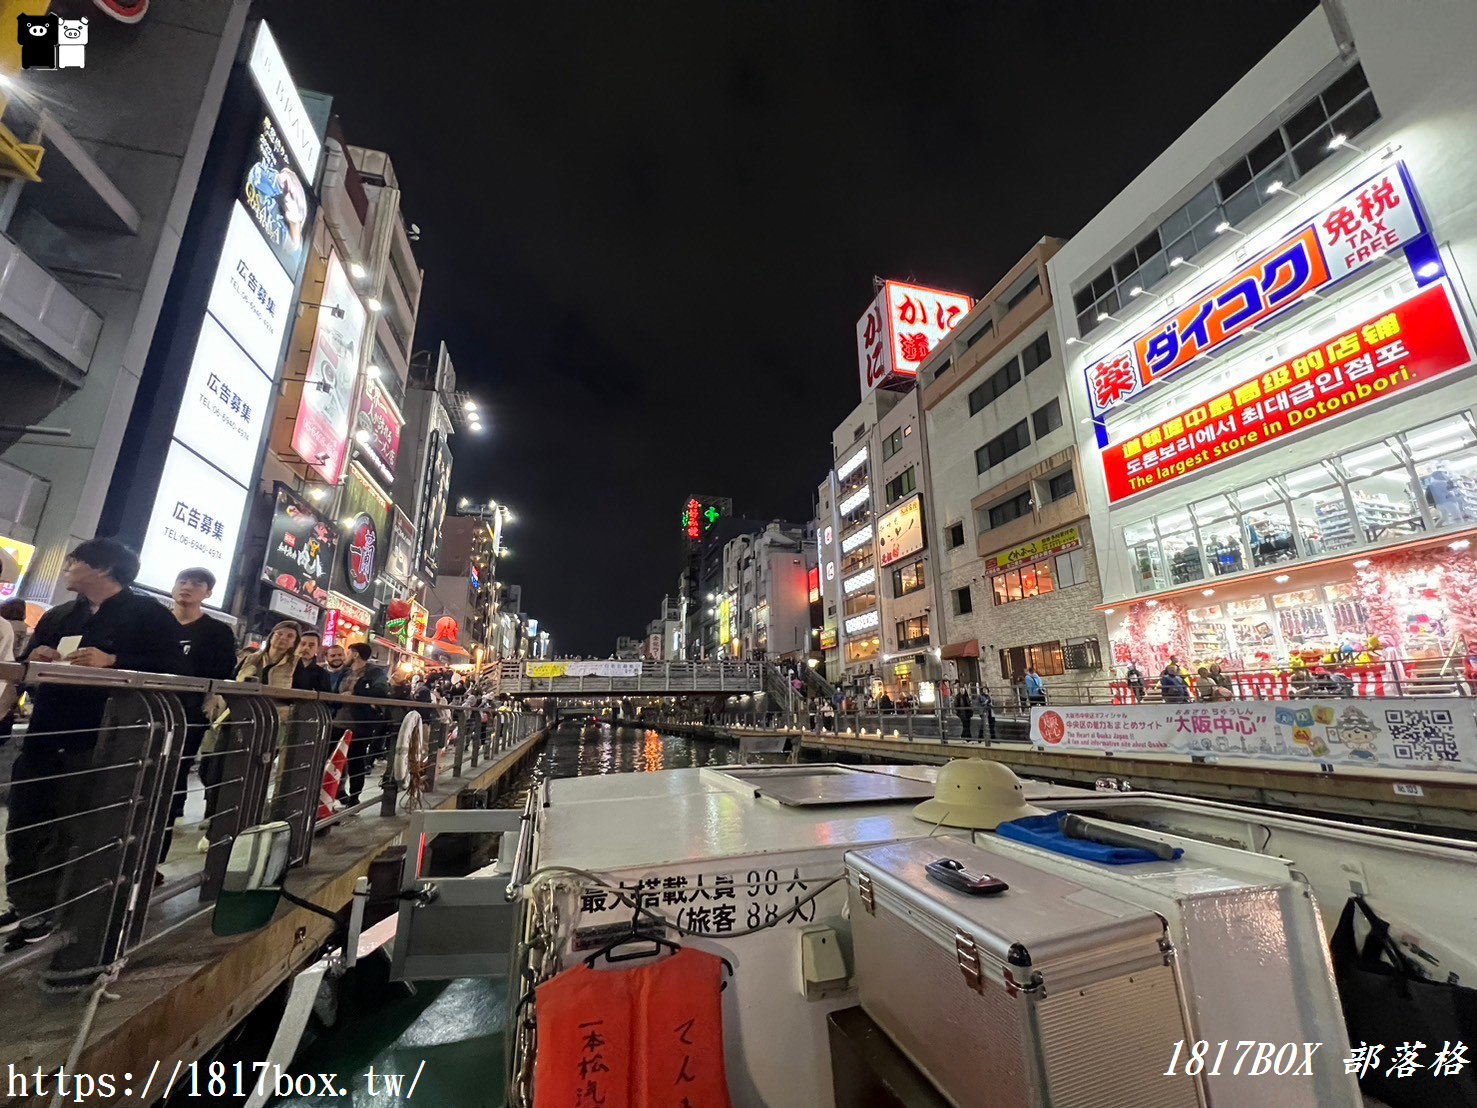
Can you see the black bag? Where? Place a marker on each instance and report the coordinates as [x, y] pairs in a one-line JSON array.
[[1388, 1001]]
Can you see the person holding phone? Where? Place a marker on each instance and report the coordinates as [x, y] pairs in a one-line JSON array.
[[108, 626]]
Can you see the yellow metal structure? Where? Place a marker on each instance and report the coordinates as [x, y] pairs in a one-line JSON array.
[[17, 159]]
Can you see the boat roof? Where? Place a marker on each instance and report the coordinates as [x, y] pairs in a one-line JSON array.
[[682, 815]]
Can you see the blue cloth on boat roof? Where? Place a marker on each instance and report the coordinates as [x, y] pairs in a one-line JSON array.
[[1046, 832]]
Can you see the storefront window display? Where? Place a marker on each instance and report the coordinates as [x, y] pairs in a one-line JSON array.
[[1445, 458], [1316, 497], [1394, 616], [859, 650], [1182, 548], [1266, 520], [1143, 552], [1376, 494], [1217, 522]]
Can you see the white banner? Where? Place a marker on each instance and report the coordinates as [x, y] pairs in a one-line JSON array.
[[1371, 733]]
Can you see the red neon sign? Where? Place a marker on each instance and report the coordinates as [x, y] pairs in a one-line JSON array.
[[1406, 346]]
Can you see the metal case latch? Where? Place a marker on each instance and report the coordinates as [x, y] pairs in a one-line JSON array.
[[969, 961], [864, 891]]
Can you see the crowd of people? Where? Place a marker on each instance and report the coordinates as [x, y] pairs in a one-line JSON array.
[[108, 625]]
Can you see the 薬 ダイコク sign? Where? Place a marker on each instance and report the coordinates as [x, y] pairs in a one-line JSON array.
[[1405, 346], [1363, 225]]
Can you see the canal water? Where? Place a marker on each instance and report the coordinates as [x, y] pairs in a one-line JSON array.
[[457, 1027]]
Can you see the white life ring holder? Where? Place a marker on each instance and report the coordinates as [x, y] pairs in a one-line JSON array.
[[411, 730]]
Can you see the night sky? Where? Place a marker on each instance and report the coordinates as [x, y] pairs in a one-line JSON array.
[[649, 227]]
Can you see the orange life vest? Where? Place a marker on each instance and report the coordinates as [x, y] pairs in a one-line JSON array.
[[646, 1037]]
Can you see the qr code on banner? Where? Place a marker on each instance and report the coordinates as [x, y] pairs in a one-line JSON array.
[[1422, 734]]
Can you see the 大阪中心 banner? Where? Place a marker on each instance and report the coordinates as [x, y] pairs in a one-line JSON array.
[[1366, 733]]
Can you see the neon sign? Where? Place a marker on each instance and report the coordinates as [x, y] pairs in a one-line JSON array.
[[1356, 230]]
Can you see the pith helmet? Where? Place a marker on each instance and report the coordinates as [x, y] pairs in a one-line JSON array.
[[977, 794]]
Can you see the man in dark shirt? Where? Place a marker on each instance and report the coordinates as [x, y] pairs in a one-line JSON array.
[[209, 649], [118, 629], [367, 720], [310, 673]]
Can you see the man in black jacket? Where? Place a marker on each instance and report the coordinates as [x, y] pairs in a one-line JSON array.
[[209, 648], [310, 672], [118, 629], [366, 720]]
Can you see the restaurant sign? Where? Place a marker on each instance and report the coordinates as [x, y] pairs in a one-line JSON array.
[[1409, 344], [1360, 227], [1058, 542], [900, 531], [300, 548]]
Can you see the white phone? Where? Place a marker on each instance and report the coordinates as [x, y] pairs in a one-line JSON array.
[[68, 645]]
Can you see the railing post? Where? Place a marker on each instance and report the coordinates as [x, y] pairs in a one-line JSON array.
[[104, 893], [460, 718], [300, 771]]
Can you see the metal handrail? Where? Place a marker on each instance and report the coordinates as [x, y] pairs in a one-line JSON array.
[[117, 782]]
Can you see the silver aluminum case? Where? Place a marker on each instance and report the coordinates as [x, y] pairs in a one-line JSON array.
[[1091, 1022], [1252, 957]]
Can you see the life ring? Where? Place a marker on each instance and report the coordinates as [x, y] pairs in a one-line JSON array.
[[412, 728]]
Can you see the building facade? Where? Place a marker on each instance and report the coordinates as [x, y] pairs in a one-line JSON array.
[[764, 610], [1008, 519], [91, 244], [1271, 330]]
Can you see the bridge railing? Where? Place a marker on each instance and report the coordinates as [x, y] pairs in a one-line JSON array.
[[103, 812]]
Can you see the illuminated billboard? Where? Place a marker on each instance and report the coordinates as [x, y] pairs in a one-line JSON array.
[[903, 325], [1356, 230], [900, 531], [1350, 368], [321, 433]]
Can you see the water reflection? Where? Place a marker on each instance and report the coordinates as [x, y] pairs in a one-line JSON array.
[[579, 749]]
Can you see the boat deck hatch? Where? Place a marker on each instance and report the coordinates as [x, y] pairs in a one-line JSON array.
[[806, 786]]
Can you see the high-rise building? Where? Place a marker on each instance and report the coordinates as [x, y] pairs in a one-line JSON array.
[[1017, 578], [1271, 337], [90, 247], [877, 577]]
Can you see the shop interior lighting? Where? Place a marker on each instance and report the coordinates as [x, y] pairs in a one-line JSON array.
[[372, 303], [851, 542], [316, 494], [855, 498]]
